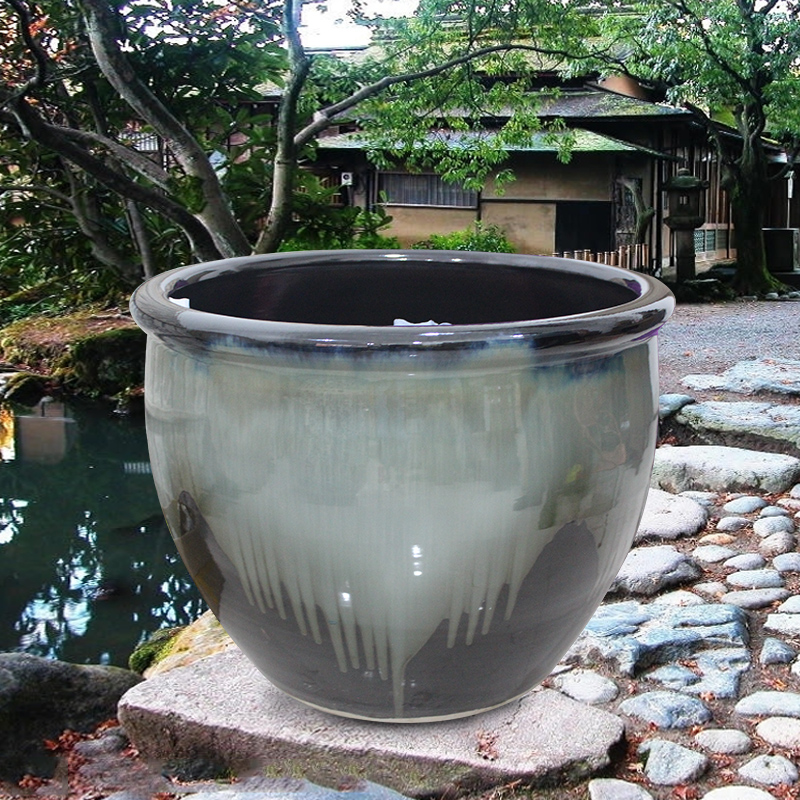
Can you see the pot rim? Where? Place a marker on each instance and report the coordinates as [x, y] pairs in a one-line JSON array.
[[190, 329]]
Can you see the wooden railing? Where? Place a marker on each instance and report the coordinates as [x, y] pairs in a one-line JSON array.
[[630, 256]]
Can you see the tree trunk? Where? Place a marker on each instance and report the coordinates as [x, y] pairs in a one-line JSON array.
[[141, 238], [748, 193], [216, 216], [285, 161]]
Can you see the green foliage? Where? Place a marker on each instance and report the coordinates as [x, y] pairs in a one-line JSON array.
[[718, 54], [728, 61], [205, 61], [479, 237], [46, 266], [321, 225], [478, 99]]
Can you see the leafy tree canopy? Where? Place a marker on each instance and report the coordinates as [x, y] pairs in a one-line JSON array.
[[78, 77], [729, 61]]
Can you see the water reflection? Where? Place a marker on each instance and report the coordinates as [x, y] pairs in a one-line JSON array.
[[87, 565]]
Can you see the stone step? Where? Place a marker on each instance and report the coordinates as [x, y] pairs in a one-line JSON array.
[[775, 375], [777, 422], [223, 710], [723, 469]]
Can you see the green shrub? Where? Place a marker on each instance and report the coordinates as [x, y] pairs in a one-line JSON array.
[[478, 237], [319, 225]]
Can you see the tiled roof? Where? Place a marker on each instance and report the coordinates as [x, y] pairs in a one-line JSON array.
[[584, 142], [603, 104]]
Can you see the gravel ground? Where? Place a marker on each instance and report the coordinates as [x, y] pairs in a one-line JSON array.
[[710, 338]]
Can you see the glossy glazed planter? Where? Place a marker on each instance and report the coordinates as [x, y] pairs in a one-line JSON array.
[[392, 522]]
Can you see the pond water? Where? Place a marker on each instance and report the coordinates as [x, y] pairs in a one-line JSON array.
[[87, 565]]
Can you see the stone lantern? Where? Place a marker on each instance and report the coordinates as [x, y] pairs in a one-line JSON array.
[[686, 213]]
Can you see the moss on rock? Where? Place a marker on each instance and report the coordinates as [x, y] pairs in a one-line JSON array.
[[153, 649], [106, 363], [89, 353], [204, 637]]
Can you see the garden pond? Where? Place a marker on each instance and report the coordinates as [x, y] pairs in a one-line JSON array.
[[88, 568]]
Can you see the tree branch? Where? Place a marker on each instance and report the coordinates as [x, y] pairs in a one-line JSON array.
[[129, 156], [39, 55], [216, 214], [713, 131], [87, 214], [324, 118], [50, 136], [35, 188], [287, 145]]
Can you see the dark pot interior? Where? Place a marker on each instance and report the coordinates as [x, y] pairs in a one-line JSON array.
[[375, 293]]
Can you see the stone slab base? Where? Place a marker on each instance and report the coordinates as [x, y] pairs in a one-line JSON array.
[[222, 709]]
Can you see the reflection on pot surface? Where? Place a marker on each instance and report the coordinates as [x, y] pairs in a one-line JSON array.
[[396, 532]]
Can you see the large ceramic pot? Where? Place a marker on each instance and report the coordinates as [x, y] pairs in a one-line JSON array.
[[402, 522]]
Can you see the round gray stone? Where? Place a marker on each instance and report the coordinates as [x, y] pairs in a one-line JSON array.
[[670, 764], [790, 606], [787, 562], [746, 504], [745, 561], [794, 492], [729, 524], [669, 404], [722, 469], [712, 588], [766, 526], [587, 686], [666, 709], [755, 579], [777, 544], [668, 516], [774, 511], [776, 651], [107, 743], [737, 793], [724, 740], [614, 789], [769, 770], [680, 597], [755, 598], [648, 570], [712, 553], [769, 704], [780, 732], [673, 676], [787, 624], [706, 499]]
